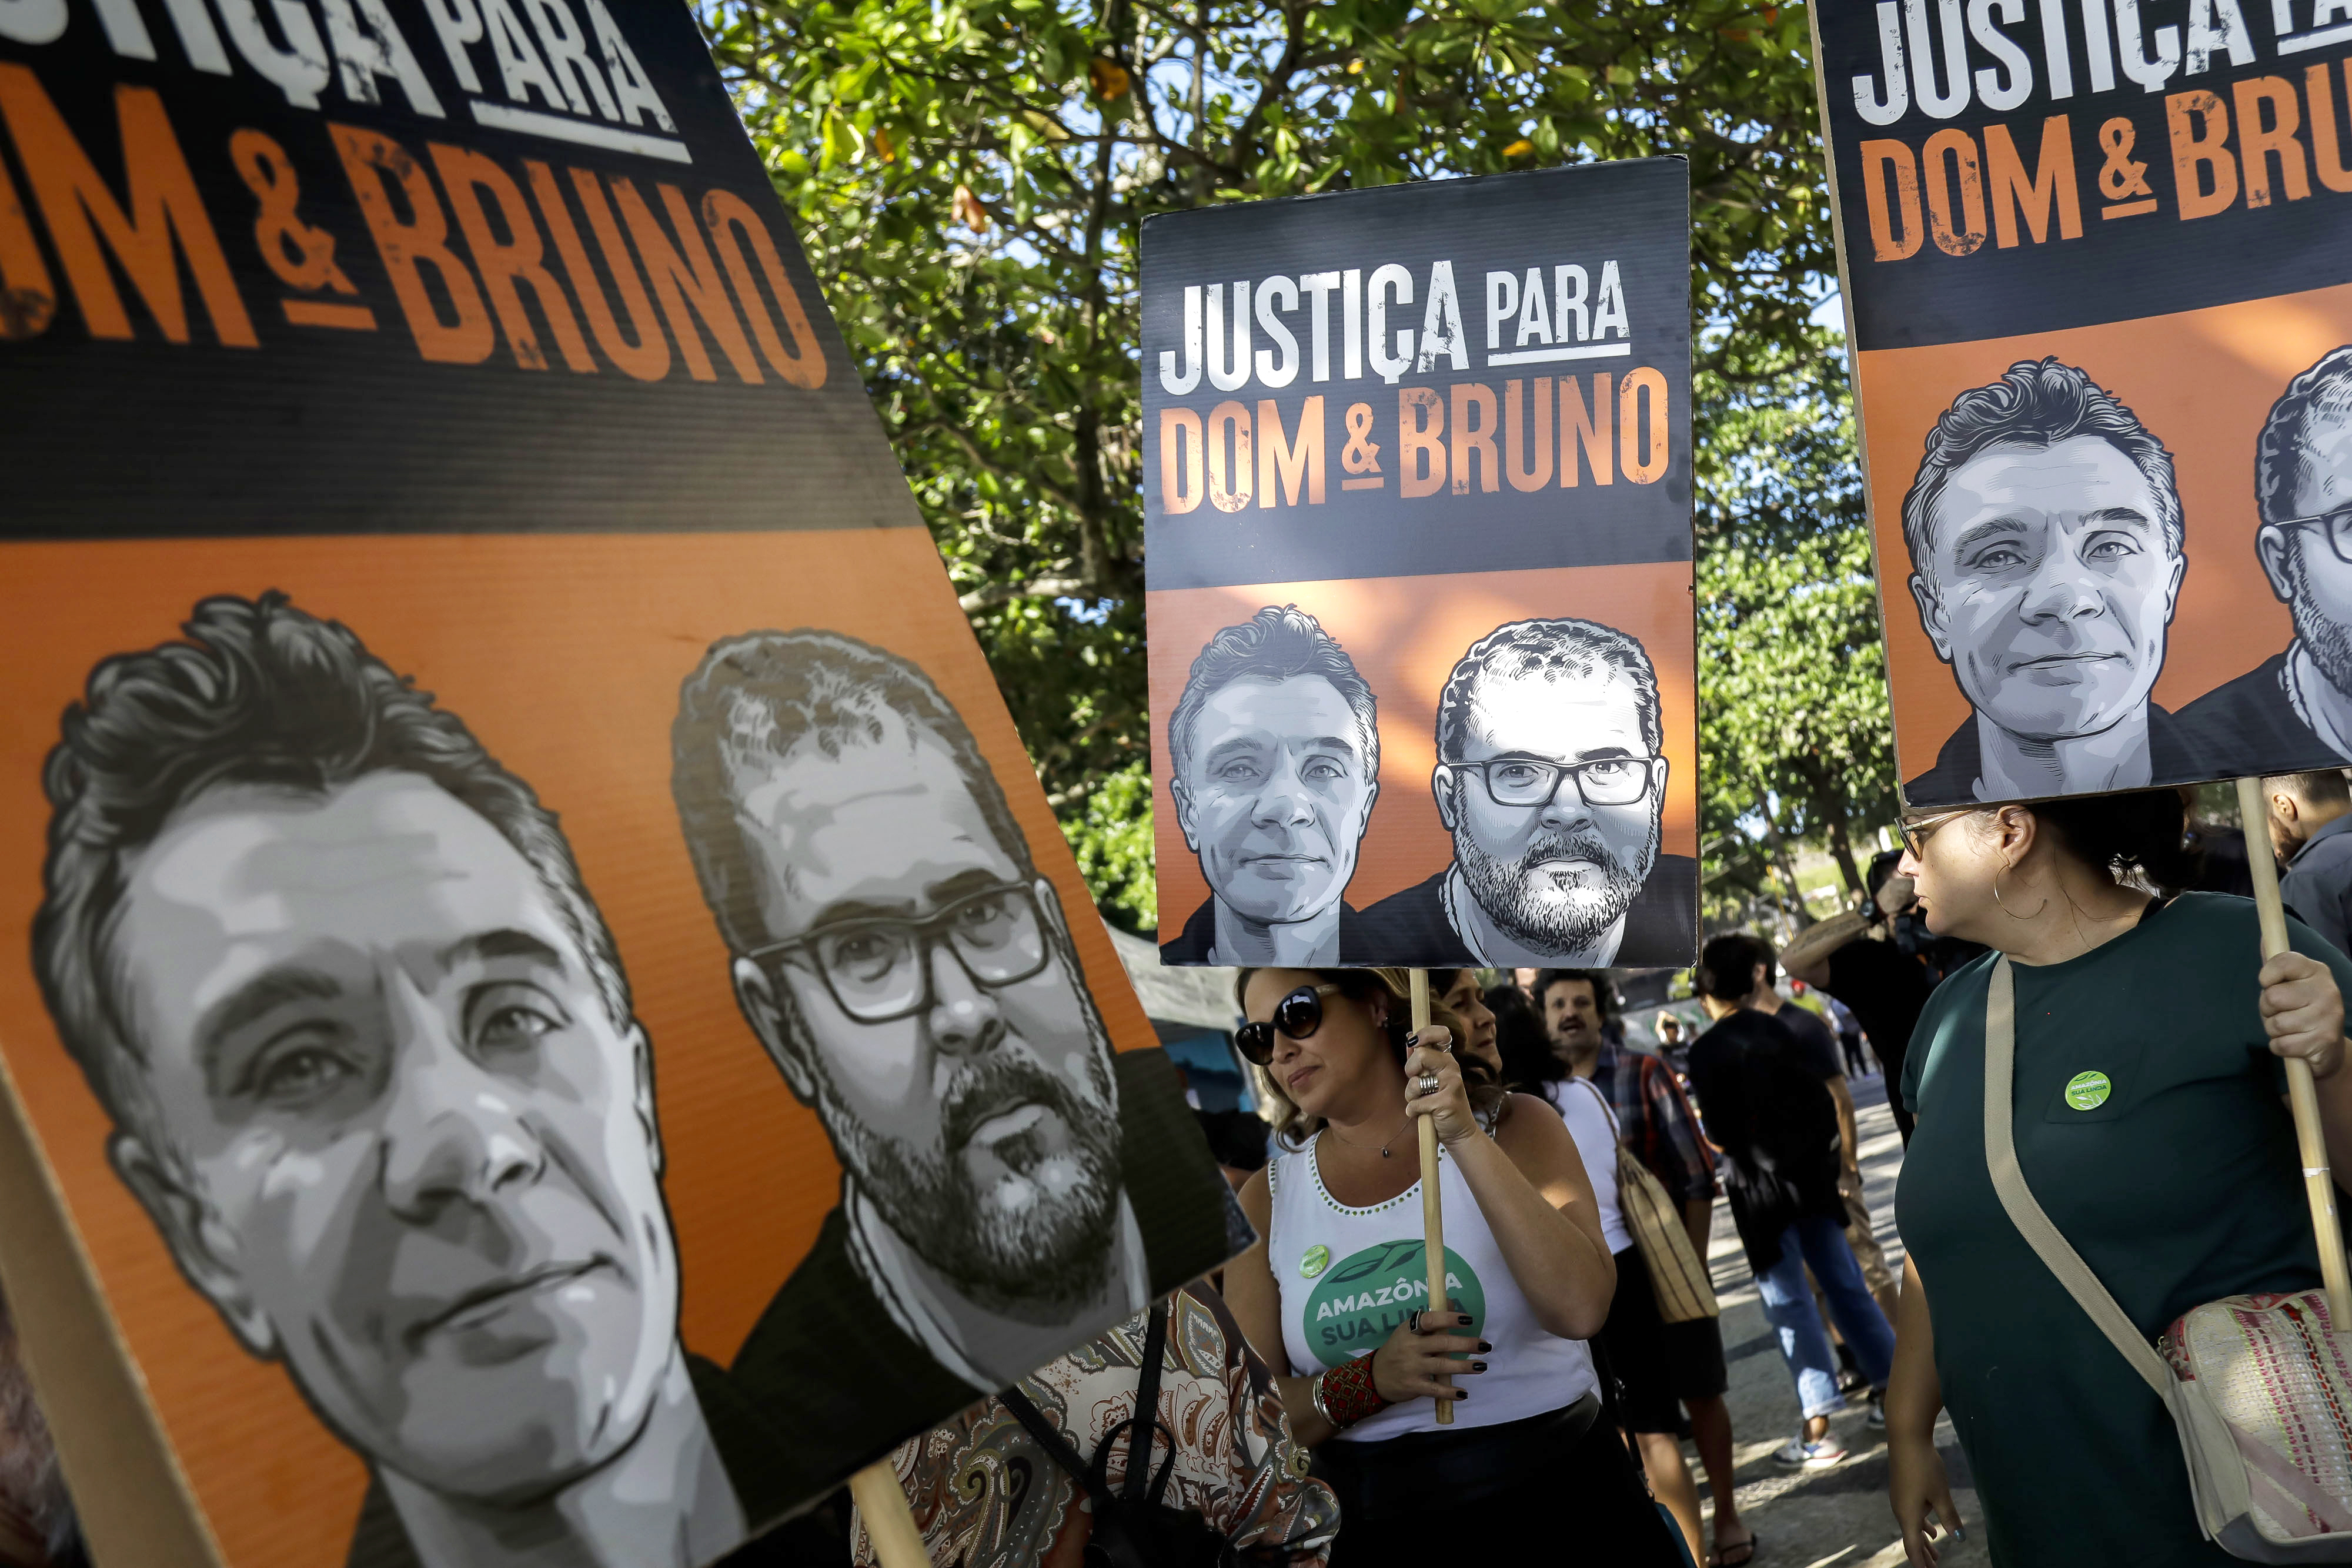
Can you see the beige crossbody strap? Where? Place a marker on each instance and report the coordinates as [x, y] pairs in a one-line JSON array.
[[2001, 1159], [1606, 1109]]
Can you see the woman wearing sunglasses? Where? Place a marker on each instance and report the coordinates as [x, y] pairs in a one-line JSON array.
[[1331, 1295], [2148, 1120]]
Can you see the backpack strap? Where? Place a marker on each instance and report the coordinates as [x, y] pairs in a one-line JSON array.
[[1144, 1423], [1095, 1476], [1606, 1109]]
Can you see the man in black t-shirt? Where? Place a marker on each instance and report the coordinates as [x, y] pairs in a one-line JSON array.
[[1881, 962], [1777, 1128], [1819, 1054]]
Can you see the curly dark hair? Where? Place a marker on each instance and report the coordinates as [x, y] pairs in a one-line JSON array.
[[764, 693], [2036, 404], [260, 694], [1274, 644], [1551, 649], [2322, 391]]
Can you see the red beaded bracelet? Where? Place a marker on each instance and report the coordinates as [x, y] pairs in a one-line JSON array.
[[1346, 1393]]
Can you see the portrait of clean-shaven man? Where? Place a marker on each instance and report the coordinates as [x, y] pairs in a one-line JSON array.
[[1551, 777], [1008, 1183], [2045, 536], [2293, 713], [1275, 761], [373, 1071]]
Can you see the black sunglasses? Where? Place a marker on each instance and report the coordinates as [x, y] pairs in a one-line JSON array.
[[1297, 1015]]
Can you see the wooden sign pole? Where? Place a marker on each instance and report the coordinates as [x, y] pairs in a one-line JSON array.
[[1433, 1214], [890, 1523], [2302, 1096]]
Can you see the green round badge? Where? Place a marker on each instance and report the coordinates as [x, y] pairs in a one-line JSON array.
[[2088, 1091], [1318, 1258]]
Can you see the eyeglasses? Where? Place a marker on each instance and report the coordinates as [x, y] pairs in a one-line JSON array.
[[1297, 1015], [2336, 525], [1916, 832], [1533, 780], [878, 968]]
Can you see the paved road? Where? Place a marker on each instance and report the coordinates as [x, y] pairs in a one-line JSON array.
[[1817, 1519]]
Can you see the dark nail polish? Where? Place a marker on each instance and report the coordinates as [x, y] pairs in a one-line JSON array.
[[1484, 1347], [1461, 1393], [1477, 1366]]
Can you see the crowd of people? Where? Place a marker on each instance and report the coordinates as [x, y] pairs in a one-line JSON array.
[[1571, 1381], [1310, 1406]]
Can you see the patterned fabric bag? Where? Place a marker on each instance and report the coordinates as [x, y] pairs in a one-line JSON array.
[[2258, 1386], [1132, 1527]]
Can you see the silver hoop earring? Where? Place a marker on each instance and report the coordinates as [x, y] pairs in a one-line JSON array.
[[2004, 908]]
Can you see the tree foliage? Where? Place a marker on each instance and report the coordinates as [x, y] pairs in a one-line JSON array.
[[970, 177], [1793, 721]]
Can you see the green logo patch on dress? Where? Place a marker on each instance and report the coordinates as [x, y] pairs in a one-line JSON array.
[[1360, 1300], [2088, 1091], [1318, 1258]]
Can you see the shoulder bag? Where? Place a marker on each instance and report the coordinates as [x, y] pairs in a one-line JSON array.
[[2257, 1385], [1678, 1276], [1132, 1528]]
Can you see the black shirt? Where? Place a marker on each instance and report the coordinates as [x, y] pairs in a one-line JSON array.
[[1817, 1046], [2172, 759], [2250, 725], [1198, 939], [1884, 987], [750, 1449], [1410, 927], [1765, 1109]]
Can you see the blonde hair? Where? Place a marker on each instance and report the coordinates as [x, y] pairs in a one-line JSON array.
[[1295, 1128]]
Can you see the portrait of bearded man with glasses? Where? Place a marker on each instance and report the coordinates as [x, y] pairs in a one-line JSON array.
[[1008, 1183], [1551, 777], [2292, 712]]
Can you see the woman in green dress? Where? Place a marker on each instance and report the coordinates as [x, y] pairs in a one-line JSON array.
[[2150, 1122]]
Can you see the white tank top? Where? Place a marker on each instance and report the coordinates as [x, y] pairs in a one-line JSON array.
[[1594, 1127], [1349, 1276]]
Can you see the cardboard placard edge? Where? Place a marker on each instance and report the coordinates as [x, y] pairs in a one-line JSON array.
[[135, 1504], [1854, 385]]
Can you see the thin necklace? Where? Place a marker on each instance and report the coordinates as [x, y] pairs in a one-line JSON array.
[[1385, 1148]]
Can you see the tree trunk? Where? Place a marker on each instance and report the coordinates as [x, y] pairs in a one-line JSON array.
[[1842, 852], [1787, 870]]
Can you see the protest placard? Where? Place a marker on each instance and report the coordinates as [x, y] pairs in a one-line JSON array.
[[1418, 552], [2096, 271], [545, 1014]]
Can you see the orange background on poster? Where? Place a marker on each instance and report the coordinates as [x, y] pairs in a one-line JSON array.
[[2202, 381], [1405, 634], [563, 654]]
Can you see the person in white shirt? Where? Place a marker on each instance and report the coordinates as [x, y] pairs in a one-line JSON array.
[[1334, 1294]]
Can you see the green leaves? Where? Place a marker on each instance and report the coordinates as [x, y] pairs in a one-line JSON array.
[[1793, 723], [970, 177]]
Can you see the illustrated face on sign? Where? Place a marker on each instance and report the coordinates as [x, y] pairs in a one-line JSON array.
[[395, 1133], [911, 976], [2307, 547], [2048, 585], [1554, 798], [1278, 792]]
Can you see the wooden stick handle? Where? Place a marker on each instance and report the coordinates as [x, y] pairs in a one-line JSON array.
[[890, 1523], [1432, 1213], [2302, 1094]]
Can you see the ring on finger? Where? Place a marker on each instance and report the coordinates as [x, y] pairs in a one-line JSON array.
[[1429, 1083], [1413, 1320]]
